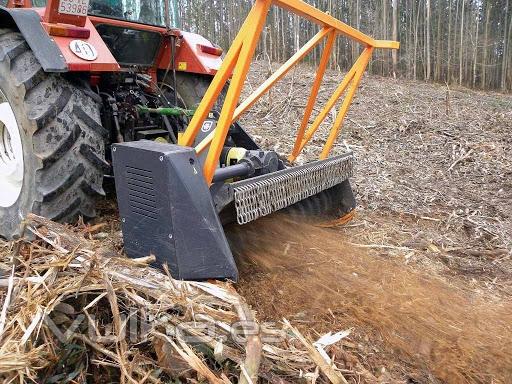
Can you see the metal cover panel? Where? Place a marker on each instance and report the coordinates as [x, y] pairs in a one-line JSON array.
[[167, 210]]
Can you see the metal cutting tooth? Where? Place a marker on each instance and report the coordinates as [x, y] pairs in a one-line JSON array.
[[263, 195]]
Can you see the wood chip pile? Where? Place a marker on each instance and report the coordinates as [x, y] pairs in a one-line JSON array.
[[74, 310]]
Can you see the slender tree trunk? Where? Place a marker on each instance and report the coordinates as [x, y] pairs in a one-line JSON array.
[[385, 34], [475, 54], [334, 54], [486, 45], [296, 33], [509, 58], [355, 22], [449, 49], [394, 53], [416, 42], [407, 39], [285, 30], [461, 50], [358, 20], [439, 52], [456, 29], [505, 50], [427, 74]]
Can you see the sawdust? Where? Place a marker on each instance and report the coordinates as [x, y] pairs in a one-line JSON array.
[[312, 275], [425, 271]]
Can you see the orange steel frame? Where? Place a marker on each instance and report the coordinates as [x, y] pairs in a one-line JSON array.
[[237, 63]]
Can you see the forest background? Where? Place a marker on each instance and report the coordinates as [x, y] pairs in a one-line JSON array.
[[465, 42]]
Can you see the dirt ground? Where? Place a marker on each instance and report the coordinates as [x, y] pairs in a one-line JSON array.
[[422, 277], [423, 274]]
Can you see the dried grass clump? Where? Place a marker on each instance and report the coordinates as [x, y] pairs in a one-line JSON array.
[[73, 310]]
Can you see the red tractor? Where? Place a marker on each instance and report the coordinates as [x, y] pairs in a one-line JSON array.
[[71, 77], [95, 89]]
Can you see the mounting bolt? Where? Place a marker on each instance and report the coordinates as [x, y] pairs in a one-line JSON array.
[[161, 158]]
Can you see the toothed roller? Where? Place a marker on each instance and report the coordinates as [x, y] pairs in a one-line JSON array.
[[263, 195]]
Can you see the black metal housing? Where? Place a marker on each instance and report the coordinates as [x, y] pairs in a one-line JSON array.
[[166, 210]]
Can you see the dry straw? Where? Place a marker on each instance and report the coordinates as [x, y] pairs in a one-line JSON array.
[[69, 306]]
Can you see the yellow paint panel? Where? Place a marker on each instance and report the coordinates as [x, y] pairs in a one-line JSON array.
[[182, 66]]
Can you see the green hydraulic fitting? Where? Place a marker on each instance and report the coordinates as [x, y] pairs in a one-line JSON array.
[[167, 111]]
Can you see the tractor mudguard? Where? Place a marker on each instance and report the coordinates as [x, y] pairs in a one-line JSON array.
[[54, 52], [28, 22], [190, 57]]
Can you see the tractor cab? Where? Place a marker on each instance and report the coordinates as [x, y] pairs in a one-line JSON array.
[[137, 11], [133, 44]]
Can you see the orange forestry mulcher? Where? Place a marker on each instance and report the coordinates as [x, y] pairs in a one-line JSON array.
[[91, 89]]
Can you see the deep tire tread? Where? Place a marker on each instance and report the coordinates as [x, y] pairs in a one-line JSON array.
[[70, 212], [16, 49], [90, 122], [64, 147], [91, 189], [94, 159], [65, 184], [34, 80], [54, 109], [67, 137]]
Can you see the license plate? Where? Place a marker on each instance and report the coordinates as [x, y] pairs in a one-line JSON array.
[[74, 7]]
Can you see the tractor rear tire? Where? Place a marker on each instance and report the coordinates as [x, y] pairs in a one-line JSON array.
[[191, 87], [52, 144]]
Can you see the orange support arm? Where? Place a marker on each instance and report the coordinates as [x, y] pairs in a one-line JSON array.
[[318, 17], [251, 33], [263, 88], [212, 93], [358, 75], [324, 60], [357, 67], [283, 70], [237, 62]]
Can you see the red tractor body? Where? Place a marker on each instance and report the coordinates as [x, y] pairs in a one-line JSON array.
[[194, 53]]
